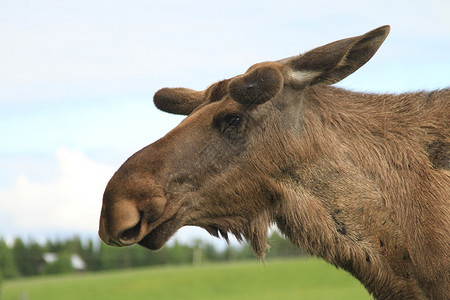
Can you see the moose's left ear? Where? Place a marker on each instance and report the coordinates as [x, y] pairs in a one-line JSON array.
[[178, 101], [335, 61], [258, 85]]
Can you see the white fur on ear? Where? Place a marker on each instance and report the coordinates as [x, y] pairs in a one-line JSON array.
[[301, 77], [333, 62]]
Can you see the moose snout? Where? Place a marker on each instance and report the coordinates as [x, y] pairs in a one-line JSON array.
[[125, 222], [120, 223]]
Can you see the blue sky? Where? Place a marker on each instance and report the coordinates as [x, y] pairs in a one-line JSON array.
[[77, 80]]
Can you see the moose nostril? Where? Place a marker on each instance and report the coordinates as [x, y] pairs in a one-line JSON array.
[[130, 236]]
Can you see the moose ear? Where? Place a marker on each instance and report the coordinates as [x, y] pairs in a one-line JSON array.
[[258, 85], [335, 61], [178, 101]]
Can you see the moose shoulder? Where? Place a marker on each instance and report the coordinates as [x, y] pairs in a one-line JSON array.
[[361, 180]]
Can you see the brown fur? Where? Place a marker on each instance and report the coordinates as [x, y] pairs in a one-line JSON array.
[[361, 180]]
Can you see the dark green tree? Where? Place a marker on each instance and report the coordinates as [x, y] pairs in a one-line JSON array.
[[109, 257], [282, 247], [62, 265], [91, 256], [54, 246], [180, 254], [20, 253], [73, 245], [8, 268], [159, 257], [27, 257], [211, 254]]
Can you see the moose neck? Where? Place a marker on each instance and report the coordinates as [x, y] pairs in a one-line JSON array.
[[331, 186]]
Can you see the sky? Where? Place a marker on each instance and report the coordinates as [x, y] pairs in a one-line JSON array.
[[77, 80]]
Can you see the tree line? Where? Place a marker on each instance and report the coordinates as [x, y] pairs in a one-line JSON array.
[[22, 259]]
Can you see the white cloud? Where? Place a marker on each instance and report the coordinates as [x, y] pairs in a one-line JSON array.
[[71, 203]]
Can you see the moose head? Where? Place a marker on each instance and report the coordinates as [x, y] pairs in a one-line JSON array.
[[229, 166]]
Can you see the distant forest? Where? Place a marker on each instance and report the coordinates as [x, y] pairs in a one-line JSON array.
[[28, 258]]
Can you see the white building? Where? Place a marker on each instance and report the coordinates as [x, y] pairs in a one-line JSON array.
[[77, 262]]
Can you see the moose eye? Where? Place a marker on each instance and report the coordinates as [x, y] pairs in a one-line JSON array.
[[233, 120], [231, 125]]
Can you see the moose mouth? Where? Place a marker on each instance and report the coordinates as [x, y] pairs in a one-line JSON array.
[[158, 236]]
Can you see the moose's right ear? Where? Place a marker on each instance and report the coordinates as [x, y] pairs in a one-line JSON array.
[[335, 61], [258, 85], [178, 101]]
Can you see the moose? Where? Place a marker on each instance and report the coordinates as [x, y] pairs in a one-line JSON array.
[[361, 180]]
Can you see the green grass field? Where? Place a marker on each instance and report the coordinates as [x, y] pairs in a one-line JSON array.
[[280, 279]]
